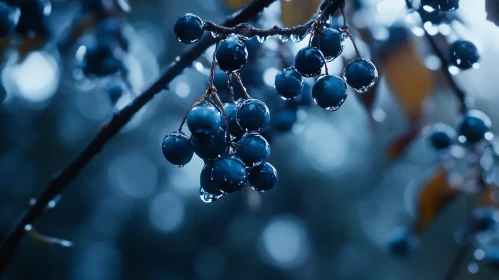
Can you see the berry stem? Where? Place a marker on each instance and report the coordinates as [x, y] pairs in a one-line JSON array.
[[458, 92], [69, 172], [344, 28], [227, 132], [230, 87], [213, 65], [193, 105], [238, 78]]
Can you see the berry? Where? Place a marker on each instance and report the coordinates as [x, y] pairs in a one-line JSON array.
[[231, 110], [252, 148], [33, 17], [177, 148], [288, 83], [443, 5], [231, 55], [463, 54], [309, 62], [361, 74], [208, 191], [9, 18], [329, 92], [401, 243], [263, 177], [188, 28], [330, 42], [204, 119], [95, 5], [100, 60], [492, 257], [111, 31], [484, 219], [442, 136], [210, 146], [253, 115], [229, 174], [473, 126], [284, 119], [115, 92]]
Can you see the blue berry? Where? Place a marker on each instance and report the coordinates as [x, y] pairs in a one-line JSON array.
[[330, 42], [463, 54], [288, 83], [252, 148], [111, 31], [443, 5], [229, 174], [204, 119], [115, 92], [473, 127], [231, 110], [253, 115], [231, 55], [209, 191], [188, 28], [309, 62], [441, 136], [177, 148], [210, 146], [263, 177], [33, 17], [9, 18], [100, 60], [484, 219], [284, 119], [329, 92], [401, 243], [361, 74]]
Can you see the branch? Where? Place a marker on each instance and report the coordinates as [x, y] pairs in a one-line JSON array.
[[119, 120], [458, 92]]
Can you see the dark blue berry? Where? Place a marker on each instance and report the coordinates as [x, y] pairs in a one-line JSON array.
[[95, 5], [492, 257], [207, 183], [252, 148], [441, 136], [231, 55], [111, 31], [401, 243], [188, 28], [484, 219], [263, 177], [284, 119], [33, 18], [463, 54], [229, 174], [473, 127], [443, 5], [253, 115], [435, 17], [309, 62], [177, 148], [361, 74], [330, 42], [288, 83], [329, 92], [231, 111], [204, 119], [210, 146], [100, 60], [9, 18], [115, 92]]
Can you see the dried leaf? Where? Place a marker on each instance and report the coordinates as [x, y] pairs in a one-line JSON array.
[[492, 8], [435, 195], [298, 11], [42, 239], [402, 143]]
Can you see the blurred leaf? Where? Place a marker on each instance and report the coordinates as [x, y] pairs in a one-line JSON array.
[[30, 44], [491, 196], [435, 195], [235, 4], [411, 82], [492, 8], [298, 11], [4, 45]]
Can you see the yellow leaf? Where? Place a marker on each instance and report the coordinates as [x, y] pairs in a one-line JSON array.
[[235, 4], [298, 11], [491, 196]]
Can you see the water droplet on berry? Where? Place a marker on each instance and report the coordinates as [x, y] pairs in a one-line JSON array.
[[454, 70], [208, 197], [242, 37], [283, 38], [214, 34], [476, 65]]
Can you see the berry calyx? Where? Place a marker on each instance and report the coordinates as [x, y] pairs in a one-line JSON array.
[[231, 55], [289, 83], [329, 92], [309, 62], [188, 28], [361, 74], [253, 115], [177, 148], [463, 54], [263, 177]]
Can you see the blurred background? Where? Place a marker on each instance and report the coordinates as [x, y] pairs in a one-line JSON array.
[[347, 178]]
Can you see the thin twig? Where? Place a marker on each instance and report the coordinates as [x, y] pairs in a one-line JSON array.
[[458, 92], [118, 121]]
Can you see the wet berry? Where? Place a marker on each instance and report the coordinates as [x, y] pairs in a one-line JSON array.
[[177, 148], [329, 92], [231, 110], [463, 54], [288, 83], [188, 28], [441, 136], [309, 62], [204, 119], [210, 146], [231, 55], [253, 115], [209, 191], [442, 5], [229, 174], [330, 42], [473, 127], [252, 148], [361, 74], [100, 60], [263, 177]]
